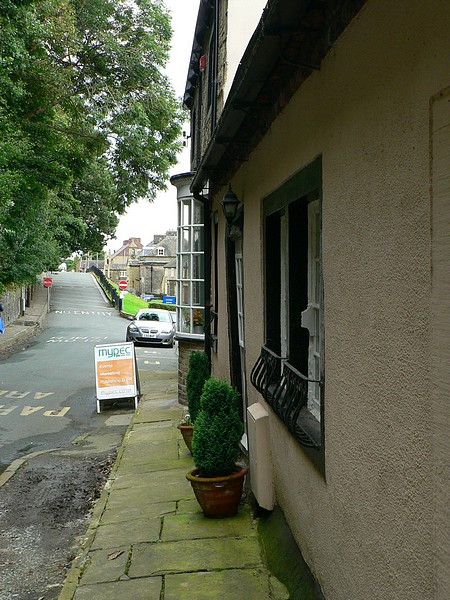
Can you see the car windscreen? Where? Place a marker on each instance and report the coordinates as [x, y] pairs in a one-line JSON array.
[[162, 317]]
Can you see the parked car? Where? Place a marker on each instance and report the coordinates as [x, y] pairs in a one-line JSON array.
[[152, 326]]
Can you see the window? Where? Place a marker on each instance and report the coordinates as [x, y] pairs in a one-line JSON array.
[[290, 370], [190, 261], [160, 251]]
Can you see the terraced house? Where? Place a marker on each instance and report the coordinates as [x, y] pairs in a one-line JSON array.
[[320, 142]]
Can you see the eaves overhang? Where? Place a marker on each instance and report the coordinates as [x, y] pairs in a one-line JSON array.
[[289, 43], [202, 25]]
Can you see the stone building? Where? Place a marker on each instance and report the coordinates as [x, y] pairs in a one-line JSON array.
[[152, 269], [116, 263]]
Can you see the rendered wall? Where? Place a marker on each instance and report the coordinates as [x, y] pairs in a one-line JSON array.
[[369, 530], [440, 345], [240, 29]]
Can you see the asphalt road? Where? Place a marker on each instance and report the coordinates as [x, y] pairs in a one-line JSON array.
[[47, 402], [47, 391]]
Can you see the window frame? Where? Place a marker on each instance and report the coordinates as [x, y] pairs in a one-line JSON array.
[[282, 210], [190, 269]]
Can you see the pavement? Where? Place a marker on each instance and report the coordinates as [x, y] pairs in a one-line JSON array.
[[147, 536], [23, 329]]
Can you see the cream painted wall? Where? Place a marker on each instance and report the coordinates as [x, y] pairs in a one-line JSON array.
[[241, 25], [440, 315], [367, 532]]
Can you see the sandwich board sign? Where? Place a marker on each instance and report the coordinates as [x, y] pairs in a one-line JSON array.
[[116, 372]]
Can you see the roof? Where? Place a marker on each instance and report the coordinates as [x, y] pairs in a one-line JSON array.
[[289, 43], [204, 16]]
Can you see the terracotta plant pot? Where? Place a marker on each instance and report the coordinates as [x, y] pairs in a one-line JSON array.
[[187, 432], [218, 497]]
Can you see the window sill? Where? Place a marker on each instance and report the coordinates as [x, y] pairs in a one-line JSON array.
[[285, 391]]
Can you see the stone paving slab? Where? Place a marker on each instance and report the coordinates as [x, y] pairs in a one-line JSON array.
[[251, 584], [162, 394], [158, 486], [195, 525], [151, 453], [155, 475], [132, 589], [134, 467], [132, 471], [152, 414], [159, 431], [127, 533], [162, 375], [194, 555], [189, 506], [101, 569], [129, 512]]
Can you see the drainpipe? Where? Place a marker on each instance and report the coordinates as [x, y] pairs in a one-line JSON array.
[[215, 66]]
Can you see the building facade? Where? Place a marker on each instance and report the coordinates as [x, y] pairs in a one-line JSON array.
[[116, 263], [147, 269], [327, 290], [152, 270]]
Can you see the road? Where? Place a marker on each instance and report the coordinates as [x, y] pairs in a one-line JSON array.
[[47, 392], [48, 417]]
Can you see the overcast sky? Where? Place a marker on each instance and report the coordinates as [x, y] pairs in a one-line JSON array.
[[144, 219]]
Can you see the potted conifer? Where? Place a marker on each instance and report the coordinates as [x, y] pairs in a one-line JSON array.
[[198, 373], [217, 480]]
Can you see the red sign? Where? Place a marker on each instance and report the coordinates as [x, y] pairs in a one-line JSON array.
[[47, 281], [123, 284]]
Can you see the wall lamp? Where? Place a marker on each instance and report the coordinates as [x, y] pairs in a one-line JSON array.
[[230, 205]]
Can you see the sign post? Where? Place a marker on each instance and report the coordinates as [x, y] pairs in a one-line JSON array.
[[116, 372], [123, 284], [47, 282]]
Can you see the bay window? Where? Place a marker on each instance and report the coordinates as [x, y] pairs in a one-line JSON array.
[[190, 261]]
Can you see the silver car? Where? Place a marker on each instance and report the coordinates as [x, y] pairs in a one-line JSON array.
[[152, 326]]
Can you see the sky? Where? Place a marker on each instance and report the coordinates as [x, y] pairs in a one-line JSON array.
[[145, 219]]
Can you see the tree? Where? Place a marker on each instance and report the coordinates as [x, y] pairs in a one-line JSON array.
[[88, 123]]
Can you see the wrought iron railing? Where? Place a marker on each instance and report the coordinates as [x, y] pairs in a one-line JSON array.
[[109, 289], [266, 372], [285, 389]]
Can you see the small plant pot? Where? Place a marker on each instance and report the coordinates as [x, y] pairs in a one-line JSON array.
[[187, 432], [218, 497]]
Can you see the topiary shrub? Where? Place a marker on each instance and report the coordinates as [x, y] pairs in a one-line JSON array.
[[218, 430], [197, 375]]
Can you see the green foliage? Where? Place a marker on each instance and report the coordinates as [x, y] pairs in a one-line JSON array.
[[131, 304], [198, 373], [88, 124], [162, 305], [218, 430]]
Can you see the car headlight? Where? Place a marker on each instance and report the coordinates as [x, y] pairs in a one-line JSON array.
[[132, 328], [166, 331]]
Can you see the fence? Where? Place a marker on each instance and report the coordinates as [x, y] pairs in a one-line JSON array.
[[110, 291]]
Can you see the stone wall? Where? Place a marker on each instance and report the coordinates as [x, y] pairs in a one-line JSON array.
[[12, 304]]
